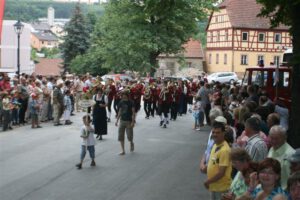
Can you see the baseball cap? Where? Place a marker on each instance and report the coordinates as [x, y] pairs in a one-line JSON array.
[[221, 119], [295, 158]]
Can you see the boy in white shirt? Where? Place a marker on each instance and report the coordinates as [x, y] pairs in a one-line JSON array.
[[88, 141]]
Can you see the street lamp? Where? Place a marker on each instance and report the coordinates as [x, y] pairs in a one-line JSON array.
[[18, 29]]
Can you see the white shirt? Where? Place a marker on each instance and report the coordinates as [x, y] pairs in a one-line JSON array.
[[95, 97], [90, 140], [87, 83], [50, 86]]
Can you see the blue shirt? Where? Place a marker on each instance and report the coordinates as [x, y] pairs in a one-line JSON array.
[[275, 191]]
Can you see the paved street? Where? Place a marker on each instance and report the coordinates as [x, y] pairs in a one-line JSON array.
[[39, 164]]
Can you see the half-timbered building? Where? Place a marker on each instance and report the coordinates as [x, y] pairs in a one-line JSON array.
[[237, 38]]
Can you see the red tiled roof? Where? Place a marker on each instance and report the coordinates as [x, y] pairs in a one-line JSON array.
[[192, 49], [243, 14], [47, 67]]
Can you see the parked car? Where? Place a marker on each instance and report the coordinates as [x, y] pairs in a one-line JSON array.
[[222, 77], [176, 78]]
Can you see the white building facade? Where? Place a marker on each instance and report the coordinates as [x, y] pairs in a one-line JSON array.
[[9, 46]]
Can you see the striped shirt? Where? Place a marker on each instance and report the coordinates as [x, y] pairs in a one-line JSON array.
[[257, 148]]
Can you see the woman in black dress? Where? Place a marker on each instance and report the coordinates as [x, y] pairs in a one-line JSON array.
[[99, 113]]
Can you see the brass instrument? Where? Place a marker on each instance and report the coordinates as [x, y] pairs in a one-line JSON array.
[[147, 94], [163, 93]]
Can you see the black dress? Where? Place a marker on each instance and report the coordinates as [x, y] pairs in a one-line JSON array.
[[99, 117]]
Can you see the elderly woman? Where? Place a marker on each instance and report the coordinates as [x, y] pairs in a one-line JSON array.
[[268, 176], [241, 161]]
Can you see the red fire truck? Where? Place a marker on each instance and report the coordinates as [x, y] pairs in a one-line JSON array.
[[275, 80]]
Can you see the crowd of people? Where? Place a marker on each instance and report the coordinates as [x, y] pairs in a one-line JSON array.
[[247, 155]]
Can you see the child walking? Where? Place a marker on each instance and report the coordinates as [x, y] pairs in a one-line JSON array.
[[88, 141]]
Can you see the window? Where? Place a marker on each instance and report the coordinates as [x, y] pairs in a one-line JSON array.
[[217, 58], [42, 42], [226, 36], [209, 59], [222, 18], [259, 78], [260, 59], [216, 18], [218, 36], [225, 59], [277, 37], [277, 60], [245, 36], [189, 64], [261, 37], [244, 60], [281, 79]]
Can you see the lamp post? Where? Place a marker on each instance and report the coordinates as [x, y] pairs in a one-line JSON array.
[[18, 29]]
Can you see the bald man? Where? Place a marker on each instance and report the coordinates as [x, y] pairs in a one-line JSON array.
[[281, 151]]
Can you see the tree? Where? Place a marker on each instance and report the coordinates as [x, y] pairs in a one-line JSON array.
[[50, 52], [131, 34], [91, 19], [89, 62], [288, 12], [76, 41]]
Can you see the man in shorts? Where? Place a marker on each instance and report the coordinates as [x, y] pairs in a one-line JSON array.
[[126, 116]]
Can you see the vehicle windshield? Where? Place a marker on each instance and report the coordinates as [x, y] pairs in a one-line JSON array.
[[287, 57], [245, 78], [259, 78], [281, 78]]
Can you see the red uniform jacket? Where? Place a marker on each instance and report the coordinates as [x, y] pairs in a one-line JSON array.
[[112, 92]]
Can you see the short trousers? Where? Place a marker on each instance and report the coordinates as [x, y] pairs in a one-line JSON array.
[[125, 126]]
